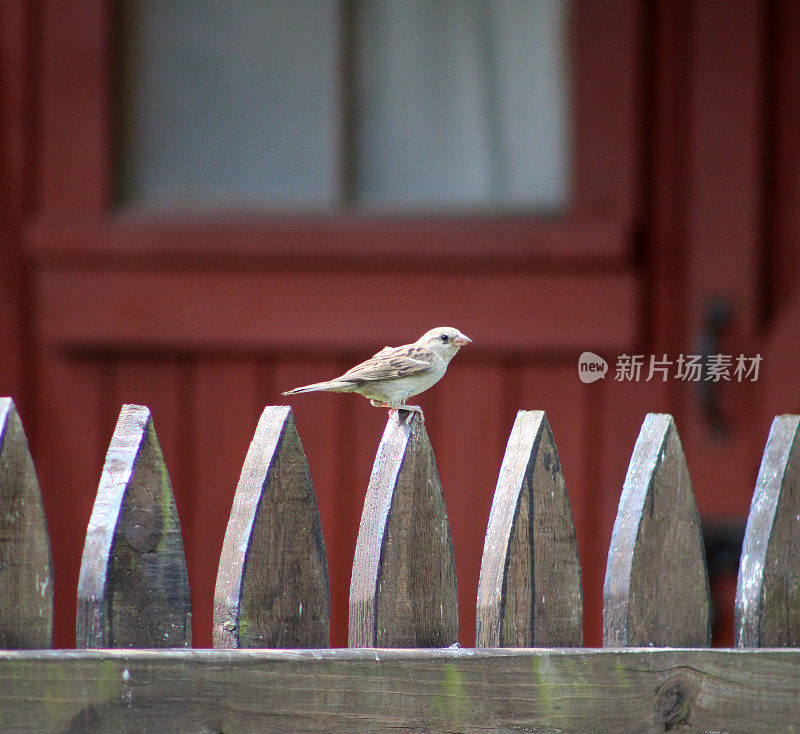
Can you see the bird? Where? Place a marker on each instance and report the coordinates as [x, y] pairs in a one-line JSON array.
[[394, 374]]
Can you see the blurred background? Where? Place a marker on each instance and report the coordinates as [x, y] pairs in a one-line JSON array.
[[203, 204]]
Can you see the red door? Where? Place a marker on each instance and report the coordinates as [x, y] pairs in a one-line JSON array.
[[208, 318]]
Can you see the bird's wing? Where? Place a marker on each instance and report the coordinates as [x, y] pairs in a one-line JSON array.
[[392, 362]]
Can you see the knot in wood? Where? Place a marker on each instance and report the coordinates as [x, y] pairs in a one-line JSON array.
[[673, 702], [142, 529]]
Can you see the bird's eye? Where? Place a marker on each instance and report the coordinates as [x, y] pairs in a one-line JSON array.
[[445, 338]]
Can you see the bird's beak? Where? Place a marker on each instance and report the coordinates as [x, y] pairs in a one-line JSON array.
[[462, 340]]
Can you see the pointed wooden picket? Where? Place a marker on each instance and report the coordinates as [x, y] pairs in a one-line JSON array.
[[272, 582], [26, 580], [656, 585], [767, 609], [133, 589], [529, 593], [403, 587]]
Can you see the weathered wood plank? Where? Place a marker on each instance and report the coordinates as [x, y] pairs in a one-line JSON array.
[[403, 587], [566, 690], [767, 608], [133, 589], [26, 569], [272, 583], [656, 587], [530, 585]]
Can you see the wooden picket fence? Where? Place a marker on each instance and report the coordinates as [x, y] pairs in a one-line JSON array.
[[270, 669]]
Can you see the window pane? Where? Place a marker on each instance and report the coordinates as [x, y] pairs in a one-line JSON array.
[[462, 102], [455, 103], [230, 102]]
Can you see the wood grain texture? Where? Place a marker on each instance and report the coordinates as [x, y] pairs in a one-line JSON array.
[[161, 385], [560, 690], [614, 421], [656, 586], [133, 590], [403, 586], [529, 593], [26, 569], [570, 408], [767, 609], [272, 584]]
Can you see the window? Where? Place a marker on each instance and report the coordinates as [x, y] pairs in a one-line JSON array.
[[414, 104]]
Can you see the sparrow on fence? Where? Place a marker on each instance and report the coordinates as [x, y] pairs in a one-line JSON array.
[[394, 374]]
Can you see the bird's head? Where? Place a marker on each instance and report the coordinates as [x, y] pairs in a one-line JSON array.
[[444, 341]]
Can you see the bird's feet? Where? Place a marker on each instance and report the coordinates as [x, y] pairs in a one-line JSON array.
[[395, 412], [410, 409]]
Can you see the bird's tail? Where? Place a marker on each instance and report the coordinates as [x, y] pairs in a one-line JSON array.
[[330, 386]]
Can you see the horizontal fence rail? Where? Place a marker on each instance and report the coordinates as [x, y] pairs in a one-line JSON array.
[[533, 690], [273, 592]]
